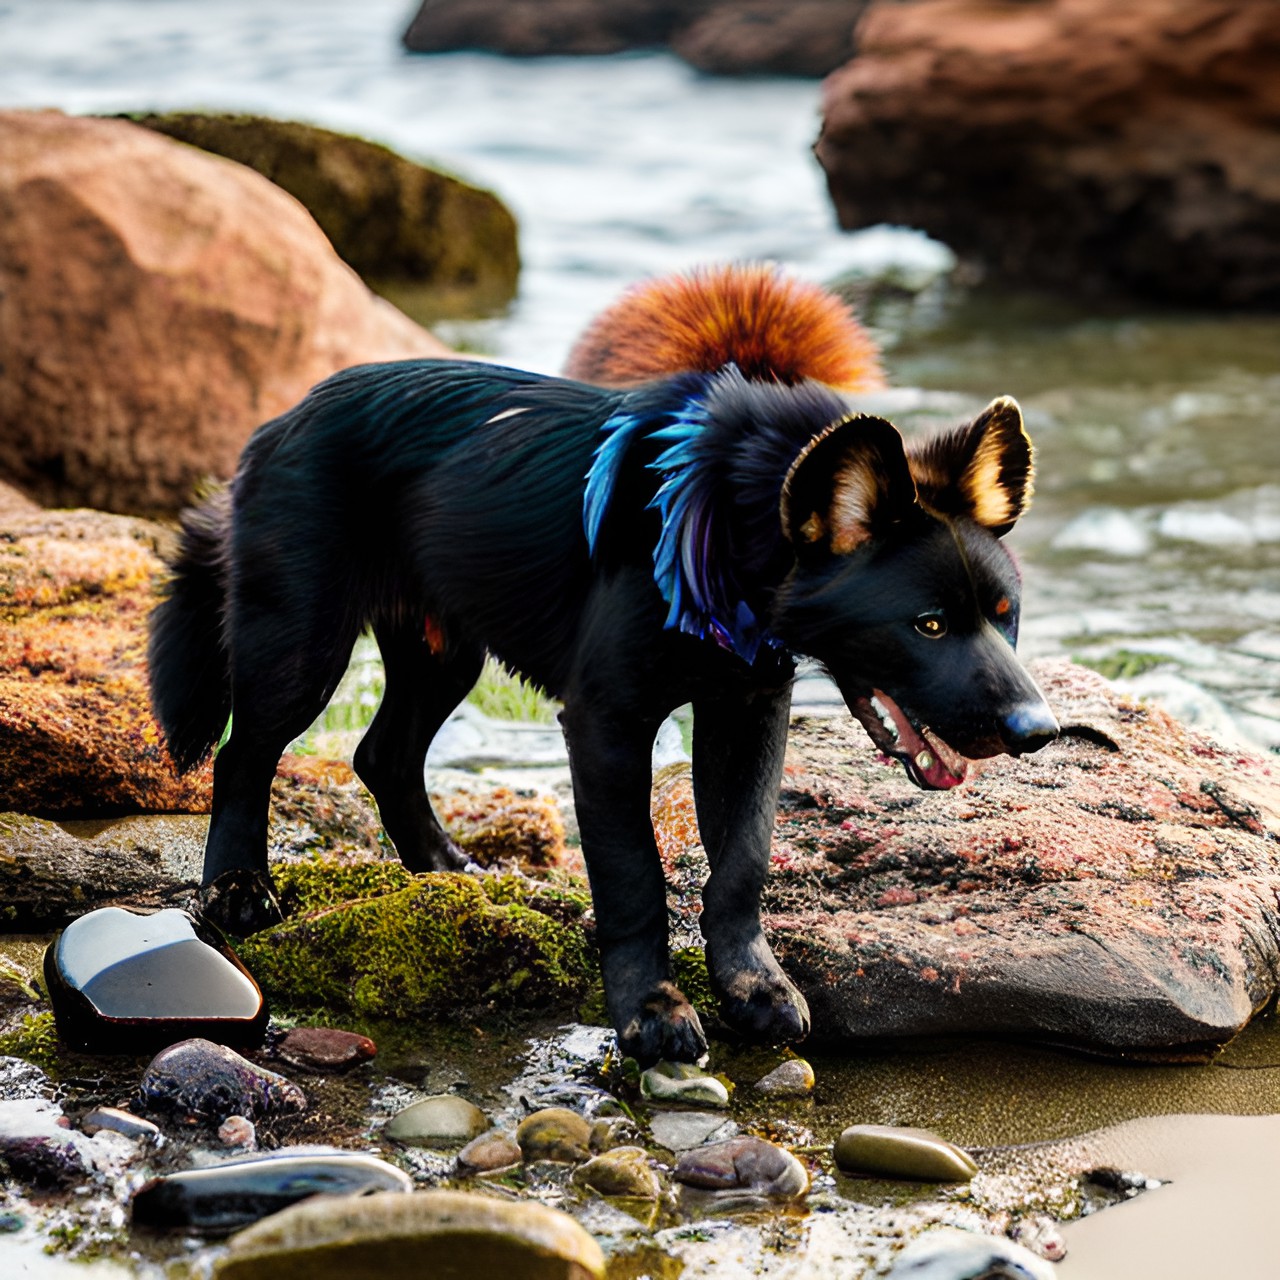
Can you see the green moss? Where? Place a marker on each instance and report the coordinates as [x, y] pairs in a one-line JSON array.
[[34, 1039], [434, 245], [689, 969], [444, 942], [1123, 664]]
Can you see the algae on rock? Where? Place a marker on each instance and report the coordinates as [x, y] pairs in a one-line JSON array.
[[421, 944], [430, 243]]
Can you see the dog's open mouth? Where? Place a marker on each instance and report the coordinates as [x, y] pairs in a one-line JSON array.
[[929, 762]]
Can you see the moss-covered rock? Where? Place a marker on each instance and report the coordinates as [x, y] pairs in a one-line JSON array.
[[374, 939], [430, 243]]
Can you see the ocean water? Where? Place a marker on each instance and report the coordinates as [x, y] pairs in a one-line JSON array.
[[1153, 548]]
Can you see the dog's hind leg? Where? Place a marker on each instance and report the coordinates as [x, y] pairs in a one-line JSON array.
[[738, 746], [287, 661], [422, 689]]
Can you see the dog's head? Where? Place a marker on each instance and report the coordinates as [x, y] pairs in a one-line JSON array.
[[904, 591]]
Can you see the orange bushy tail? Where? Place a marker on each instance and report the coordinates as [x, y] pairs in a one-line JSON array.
[[770, 325]]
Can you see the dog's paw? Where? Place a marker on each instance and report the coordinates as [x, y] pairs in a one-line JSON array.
[[666, 1029], [240, 903], [763, 1006]]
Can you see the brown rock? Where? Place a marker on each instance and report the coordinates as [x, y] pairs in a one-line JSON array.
[[501, 825], [411, 232], [1116, 890], [727, 37], [76, 731], [159, 303], [325, 1048], [807, 38], [1072, 143]]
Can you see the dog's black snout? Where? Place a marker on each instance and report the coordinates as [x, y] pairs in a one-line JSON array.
[[1028, 727]]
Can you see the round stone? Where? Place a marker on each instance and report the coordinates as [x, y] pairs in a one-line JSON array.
[[744, 1164], [325, 1048], [555, 1133], [792, 1079], [199, 1082], [115, 1120], [490, 1151], [887, 1151], [682, 1082], [624, 1171], [445, 1234], [442, 1120]]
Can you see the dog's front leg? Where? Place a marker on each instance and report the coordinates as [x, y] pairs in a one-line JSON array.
[[739, 740], [610, 759]]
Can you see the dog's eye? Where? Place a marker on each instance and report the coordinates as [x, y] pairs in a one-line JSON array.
[[933, 625]]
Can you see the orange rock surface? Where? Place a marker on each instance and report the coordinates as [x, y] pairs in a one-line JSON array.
[[159, 303]]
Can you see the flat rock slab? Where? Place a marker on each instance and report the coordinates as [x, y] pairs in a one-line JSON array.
[[1115, 891]]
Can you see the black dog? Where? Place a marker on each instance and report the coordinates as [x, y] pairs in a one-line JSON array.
[[629, 551]]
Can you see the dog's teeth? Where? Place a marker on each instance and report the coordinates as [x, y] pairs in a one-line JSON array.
[[885, 718], [925, 761]]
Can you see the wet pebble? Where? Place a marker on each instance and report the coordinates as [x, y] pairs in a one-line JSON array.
[[115, 1120], [431, 1233], [608, 1132], [682, 1082], [624, 1171], [554, 1133], [22, 1079], [792, 1079], [10, 1222], [490, 1151], [1041, 1235], [683, 1130], [231, 1195], [38, 1148], [442, 1120], [121, 982], [325, 1049], [888, 1151], [948, 1253], [238, 1131], [199, 1082], [744, 1164]]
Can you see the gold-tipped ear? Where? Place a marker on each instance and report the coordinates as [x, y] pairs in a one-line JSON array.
[[982, 470], [849, 477]]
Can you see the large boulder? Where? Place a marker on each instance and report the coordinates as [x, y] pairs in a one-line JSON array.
[[1115, 891], [727, 37], [413, 233], [1078, 144], [158, 303]]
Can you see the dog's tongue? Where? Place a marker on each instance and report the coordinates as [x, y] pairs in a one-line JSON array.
[[929, 762]]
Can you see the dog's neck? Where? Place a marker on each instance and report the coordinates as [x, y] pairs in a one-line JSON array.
[[719, 448]]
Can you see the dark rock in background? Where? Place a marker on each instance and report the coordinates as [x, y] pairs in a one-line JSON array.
[[1083, 145], [410, 231], [724, 37], [197, 1082]]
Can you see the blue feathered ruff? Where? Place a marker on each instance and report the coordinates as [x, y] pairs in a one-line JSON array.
[[692, 563]]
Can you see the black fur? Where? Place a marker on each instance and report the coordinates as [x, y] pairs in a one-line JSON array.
[[455, 491]]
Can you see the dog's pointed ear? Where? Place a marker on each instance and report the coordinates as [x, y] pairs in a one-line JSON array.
[[982, 470], [846, 484]]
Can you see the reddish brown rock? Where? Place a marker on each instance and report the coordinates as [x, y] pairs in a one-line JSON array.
[[158, 304], [325, 1048], [763, 37], [499, 825], [1117, 890], [1074, 143], [76, 731], [725, 37]]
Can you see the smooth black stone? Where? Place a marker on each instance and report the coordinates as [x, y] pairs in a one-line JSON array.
[[122, 982], [228, 1196]]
